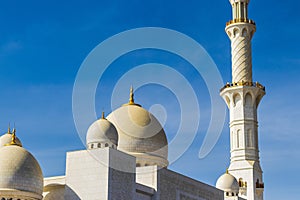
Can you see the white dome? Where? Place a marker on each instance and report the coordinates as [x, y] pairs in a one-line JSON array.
[[140, 135], [20, 172], [228, 183], [6, 139], [103, 133]]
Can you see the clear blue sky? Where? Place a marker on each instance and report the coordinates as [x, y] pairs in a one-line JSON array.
[[43, 43]]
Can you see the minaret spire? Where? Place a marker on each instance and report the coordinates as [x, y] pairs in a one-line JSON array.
[[242, 97], [240, 31]]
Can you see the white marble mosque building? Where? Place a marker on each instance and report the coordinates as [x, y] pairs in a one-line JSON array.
[[127, 151]]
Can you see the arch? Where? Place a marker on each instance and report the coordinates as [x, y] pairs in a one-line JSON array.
[[229, 33], [92, 146], [227, 99], [235, 32], [241, 182], [236, 98], [248, 99], [244, 32], [106, 145], [238, 137], [99, 145], [249, 138]]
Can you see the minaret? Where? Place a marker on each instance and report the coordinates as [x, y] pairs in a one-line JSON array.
[[242, 97]]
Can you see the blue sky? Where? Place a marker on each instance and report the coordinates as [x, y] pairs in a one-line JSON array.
[[43, 43]]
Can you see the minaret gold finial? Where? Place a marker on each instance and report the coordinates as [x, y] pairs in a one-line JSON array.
[[102, 116], [131, 98], [227, 172]]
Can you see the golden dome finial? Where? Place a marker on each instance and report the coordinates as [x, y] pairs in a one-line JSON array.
[[102, 116], [13, 139], [227, 172], [131, 98]]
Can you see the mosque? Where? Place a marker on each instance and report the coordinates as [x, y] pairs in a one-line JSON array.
[[126, 155]]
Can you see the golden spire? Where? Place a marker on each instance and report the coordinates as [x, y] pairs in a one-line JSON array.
[[13, 137], [227, 172], [131, 98], [102, 116], [8, 131]]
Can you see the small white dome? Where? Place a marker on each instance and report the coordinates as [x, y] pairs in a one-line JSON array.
[[102, 133], [6, 139], [20, 172], [228, 183]]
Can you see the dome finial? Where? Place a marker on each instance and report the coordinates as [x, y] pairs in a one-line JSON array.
[[103, 115], [131, 98], [13, 138], [227, 172]]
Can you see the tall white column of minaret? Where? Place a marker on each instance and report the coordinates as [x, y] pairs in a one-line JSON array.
[[242, 97]]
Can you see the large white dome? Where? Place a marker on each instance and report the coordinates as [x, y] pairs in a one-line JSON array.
[[20, 172], [140, 135]]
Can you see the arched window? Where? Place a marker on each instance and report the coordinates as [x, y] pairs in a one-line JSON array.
[[92, 146], [238, 138], [99, 145], [106, 145], [249, 137], [241, 182]]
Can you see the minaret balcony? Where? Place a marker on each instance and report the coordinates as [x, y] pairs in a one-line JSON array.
[[242, 20], [243, 83]]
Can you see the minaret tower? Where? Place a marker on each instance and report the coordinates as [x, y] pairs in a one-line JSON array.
[[242, 97]]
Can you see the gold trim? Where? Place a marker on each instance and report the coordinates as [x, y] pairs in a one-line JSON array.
[[249, 21], [243, 83]]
